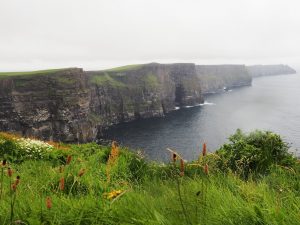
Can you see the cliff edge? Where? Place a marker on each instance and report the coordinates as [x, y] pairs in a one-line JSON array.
[[72, 105], [214, 78], [269, 70]]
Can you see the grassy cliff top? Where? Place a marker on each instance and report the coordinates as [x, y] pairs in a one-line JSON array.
[[30, 73], [125, 68]]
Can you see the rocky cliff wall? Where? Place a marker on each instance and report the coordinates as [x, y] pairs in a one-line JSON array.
[[213, 78], [72, 105], [48, 106], [269, 70]]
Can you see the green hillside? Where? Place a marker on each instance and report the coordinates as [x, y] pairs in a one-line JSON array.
[[54, 183]]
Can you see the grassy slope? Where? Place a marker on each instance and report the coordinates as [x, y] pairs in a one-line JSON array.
[[125, 68], [31, 73], [105, 78], [150, 192]]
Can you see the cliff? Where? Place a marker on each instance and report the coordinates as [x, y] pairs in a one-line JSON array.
[[49, 105], [268, 70], [213, 78], [72, 105]]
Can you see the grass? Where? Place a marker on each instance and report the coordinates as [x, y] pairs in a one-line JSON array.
[[125, 68], [142, 192], [151, 80], [30, 73], [106, 79]]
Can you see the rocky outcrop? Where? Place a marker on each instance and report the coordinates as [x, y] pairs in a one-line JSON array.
[[214, 78], [269, 70], [46, 105], [72, 105]]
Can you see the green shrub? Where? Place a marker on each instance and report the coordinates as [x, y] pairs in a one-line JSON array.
[[254, 153]]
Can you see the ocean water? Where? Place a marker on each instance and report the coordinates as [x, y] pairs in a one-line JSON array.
[[271, 103]]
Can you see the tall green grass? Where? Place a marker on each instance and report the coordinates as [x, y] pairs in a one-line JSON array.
[[149, 191]]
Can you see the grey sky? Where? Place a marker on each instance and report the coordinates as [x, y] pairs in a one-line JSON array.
[[96, 34]]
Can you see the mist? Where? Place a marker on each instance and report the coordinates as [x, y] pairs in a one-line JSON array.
[[95, 34]]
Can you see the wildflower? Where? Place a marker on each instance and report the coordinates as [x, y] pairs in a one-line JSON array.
[[174, 157], [181, 167], [174, 154], [48, 203], [17, 180], [206, 171], [204, 149], [69, 158], [4, 162], [14, 187], [15, 184], [114, 152], [81, 172], [9, 172], [62, 183], [113, 194], [113, 156]]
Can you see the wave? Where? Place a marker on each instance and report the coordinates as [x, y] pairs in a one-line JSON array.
[[202, 104], [207, 103]]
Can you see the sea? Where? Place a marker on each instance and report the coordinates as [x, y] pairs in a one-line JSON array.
[[271, 103]]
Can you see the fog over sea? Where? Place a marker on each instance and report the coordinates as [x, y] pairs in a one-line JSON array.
[[271, 103]]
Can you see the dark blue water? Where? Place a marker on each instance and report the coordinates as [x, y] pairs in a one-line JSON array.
[[271, 103]]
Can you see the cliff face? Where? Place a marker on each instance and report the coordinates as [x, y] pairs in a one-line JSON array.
[[213, 78], [142, 91], [49, 106], [268, 70], [72, 105]]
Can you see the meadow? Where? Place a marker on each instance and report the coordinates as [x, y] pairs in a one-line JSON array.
[[252, 179]]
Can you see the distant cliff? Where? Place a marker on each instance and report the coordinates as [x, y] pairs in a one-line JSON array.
[[213, 78], [269, 70], [72, 105]]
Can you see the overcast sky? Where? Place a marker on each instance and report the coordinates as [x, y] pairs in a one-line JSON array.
[[97, 34]]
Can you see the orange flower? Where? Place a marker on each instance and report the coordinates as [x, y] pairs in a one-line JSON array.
[[181, 167], [17, 180], [14, 187], [206, 171], [62, 183], [9, 172], [112, 158], [15, 184], [69, 158], [81, 172], [48, 203], [174, 157], [204, 149]]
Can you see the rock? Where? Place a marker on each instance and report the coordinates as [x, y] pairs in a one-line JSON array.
[[269, 70], [213, 78], [72, 105]]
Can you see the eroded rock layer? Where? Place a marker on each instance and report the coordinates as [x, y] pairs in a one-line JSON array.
[[214, 78], [72, 105]]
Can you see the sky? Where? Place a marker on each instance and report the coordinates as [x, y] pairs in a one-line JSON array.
[[99, 34]]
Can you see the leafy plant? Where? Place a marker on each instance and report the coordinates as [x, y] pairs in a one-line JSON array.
[[254, 153]]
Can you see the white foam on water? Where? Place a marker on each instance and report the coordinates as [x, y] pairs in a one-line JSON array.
[[202, 104], [207, 103]]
